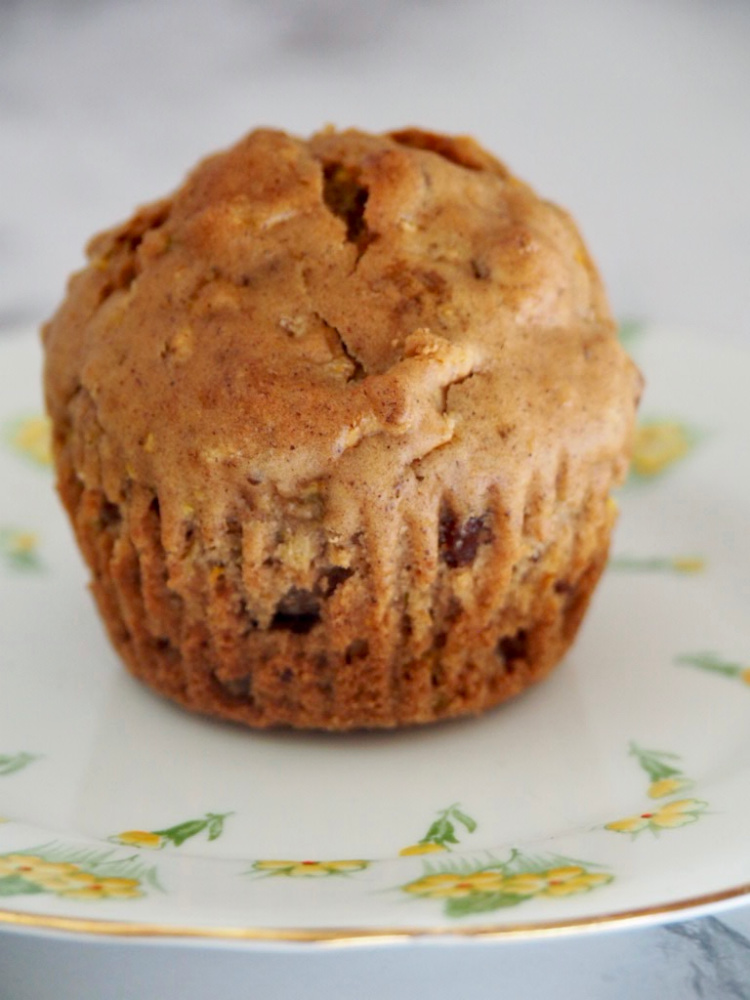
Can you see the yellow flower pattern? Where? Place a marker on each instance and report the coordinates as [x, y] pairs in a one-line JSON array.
[[32, 437], [571, 880], [667, 786], [20, 864], [309, 869], [87, 886], [454, 885], [688, 564], [505, 884], [553, 882], [58, 877], [428, 847], [666, 779], [140, 838], [98, 877], [32, 873], [658, 445], [671, 815]]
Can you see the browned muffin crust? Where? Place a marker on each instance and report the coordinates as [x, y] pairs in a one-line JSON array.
[[336, 426]]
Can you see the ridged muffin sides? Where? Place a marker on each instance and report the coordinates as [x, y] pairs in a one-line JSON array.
[[337, 426]]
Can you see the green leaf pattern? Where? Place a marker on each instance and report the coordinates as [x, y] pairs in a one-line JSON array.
[[211, 823], [11, 763], [715, 664], [18, 549]]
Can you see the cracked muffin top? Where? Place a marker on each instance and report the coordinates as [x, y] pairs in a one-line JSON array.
[[379, 313]]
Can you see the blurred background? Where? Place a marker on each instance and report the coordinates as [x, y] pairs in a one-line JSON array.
[[634, 114]]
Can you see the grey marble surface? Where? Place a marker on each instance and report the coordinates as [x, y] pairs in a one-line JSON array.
[[707, 959], [635, 114]]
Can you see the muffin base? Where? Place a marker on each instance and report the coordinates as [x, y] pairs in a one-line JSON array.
[[182, 628], [434, 687]]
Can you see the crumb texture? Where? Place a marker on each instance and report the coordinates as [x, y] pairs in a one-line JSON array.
[[336, 425]]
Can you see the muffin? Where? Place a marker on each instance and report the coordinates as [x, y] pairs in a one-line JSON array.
[[336, 426]]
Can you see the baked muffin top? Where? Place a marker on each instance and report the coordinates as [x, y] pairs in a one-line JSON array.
[[386, 315]]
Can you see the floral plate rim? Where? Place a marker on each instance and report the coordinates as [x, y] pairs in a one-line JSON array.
[[682, 909]]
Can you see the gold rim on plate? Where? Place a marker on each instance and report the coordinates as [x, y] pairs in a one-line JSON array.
[[347, 936]]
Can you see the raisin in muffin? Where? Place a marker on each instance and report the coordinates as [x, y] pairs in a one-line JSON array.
[[336, 425]]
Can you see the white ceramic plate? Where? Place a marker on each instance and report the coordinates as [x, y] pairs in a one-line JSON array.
[[617, 790]]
